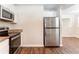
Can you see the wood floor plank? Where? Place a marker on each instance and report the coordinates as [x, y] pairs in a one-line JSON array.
[[70, 46]]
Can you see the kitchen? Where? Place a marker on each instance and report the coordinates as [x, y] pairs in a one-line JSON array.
[[27, 22]]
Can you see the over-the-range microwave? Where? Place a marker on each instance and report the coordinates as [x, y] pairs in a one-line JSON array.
[[6, 14]]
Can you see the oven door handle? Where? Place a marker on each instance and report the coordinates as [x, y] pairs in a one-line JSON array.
[[13, 38]]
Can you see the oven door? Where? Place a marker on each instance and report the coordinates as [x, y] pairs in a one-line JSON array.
[[15, 42]]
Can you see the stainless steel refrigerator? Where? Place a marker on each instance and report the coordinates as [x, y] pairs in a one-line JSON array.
[[51, 31]]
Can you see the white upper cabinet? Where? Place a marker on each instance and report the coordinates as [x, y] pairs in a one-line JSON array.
[[10, 7]]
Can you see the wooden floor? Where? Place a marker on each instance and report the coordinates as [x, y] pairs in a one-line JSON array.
[[70, 46]]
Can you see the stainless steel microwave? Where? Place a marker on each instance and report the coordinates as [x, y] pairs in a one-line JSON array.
[[6, 14]]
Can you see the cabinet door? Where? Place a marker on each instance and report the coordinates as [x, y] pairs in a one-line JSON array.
[[4, 47]]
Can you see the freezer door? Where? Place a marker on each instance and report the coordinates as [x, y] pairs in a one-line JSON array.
[[52, 37], [51, 21]]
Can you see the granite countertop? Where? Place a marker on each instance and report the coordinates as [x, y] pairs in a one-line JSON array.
[[15, 30], [2, 38]]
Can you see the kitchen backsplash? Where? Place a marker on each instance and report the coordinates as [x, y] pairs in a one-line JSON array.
[[6, 24]]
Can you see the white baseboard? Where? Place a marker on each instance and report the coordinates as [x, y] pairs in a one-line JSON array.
[[61, 45], [68, 36], [32, 45], [72, 36], [36, 45], [77, 36]]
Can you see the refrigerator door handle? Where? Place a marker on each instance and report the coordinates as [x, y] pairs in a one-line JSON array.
[[45, 24]]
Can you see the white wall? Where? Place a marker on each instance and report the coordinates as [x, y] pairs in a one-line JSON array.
[[76, 25], [30, 19], [70, 26]]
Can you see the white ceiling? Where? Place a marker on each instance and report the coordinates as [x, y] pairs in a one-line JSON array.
[[74, 10], [65, 6], [51, 7]]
